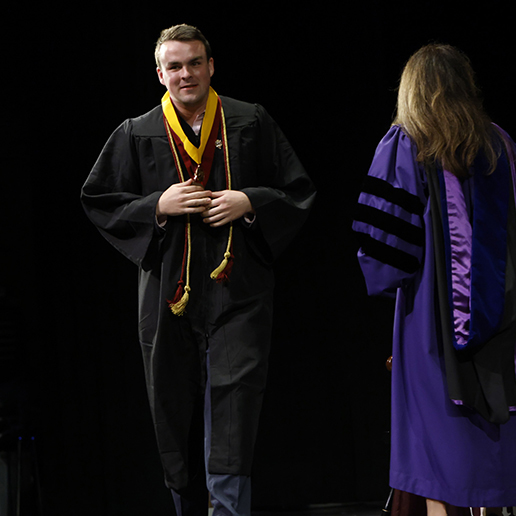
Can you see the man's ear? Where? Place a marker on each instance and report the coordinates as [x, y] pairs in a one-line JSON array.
[[160, 76]]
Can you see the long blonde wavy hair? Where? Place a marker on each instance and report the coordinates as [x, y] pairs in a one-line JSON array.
[[440, 108]]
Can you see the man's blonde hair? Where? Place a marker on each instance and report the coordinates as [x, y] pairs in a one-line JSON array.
[[181, 32]]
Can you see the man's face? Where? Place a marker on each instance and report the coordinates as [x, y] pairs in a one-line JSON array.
[[186, 72]]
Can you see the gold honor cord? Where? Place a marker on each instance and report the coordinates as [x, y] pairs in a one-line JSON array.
[[178, 308], [209, 116], [227, 255]]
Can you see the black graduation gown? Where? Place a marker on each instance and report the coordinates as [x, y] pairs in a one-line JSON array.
[[234, 318]]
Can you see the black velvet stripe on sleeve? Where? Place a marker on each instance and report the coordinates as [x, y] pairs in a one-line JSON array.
[[390, 224], [386, 254], [380, 188]]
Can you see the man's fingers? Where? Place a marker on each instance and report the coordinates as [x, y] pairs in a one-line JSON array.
[[201, 194]]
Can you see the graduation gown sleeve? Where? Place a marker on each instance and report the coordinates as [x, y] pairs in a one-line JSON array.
[[113, 199], [285, 193], [389, 216]]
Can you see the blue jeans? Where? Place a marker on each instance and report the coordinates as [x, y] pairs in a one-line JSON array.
[[230, 494]]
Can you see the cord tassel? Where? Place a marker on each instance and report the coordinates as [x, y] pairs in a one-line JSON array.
[[179, 307], [222, 272], [217, 274]]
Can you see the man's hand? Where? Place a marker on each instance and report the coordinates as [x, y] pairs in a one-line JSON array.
[[182, 198], [226, 206]]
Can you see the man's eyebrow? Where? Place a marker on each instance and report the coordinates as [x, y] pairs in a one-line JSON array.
[[197, 58]]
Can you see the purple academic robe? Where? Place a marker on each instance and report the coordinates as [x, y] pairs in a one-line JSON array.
[[441, 449]]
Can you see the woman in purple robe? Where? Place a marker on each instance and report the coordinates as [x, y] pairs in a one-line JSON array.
[[436, 222]]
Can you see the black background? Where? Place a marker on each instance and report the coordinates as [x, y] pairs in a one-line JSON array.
[[327, 73]]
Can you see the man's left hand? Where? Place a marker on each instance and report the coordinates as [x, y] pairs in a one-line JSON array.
[[226, 205]]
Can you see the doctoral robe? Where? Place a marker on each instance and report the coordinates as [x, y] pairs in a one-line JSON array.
[[453, 420], [231, 319]]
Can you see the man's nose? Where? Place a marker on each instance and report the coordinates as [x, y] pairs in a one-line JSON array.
[[185, 72]]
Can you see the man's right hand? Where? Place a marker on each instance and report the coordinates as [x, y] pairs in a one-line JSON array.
[[182, 198]]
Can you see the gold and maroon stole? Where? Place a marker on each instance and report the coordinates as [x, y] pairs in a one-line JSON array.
[[198, 162]]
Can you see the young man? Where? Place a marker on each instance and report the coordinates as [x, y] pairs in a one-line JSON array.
[[202, 193]]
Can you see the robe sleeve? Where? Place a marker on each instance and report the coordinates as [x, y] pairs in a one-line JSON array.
[[286, 193], [112, 198], [389, 216]]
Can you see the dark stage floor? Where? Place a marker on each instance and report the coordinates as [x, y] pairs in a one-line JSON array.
[[363, 509]]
